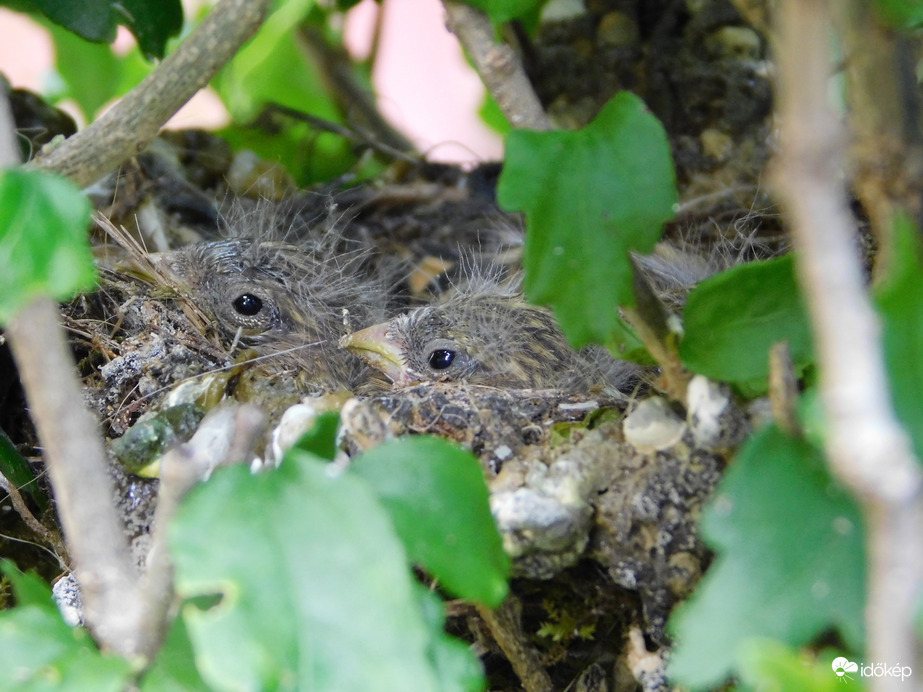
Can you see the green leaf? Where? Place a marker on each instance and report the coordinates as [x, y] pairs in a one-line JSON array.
[[903, 14], [492, 115], [437, 497], [590, 197], [321, 439], [28, 588], [790, 561], [39, 651], [151, 21], [18, 472], [91, 72], [175, 667], [732, 319], [316, 593], [43, 239], [271, 68], [900, 302], [771, 666], [501, 11], [457, 666]]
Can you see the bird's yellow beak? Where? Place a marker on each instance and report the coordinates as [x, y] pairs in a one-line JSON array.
[[376, 347]]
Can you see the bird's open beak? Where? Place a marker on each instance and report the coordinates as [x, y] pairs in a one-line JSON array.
[[377, 348]]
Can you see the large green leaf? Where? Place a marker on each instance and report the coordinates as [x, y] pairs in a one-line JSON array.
[[900, 302], [437, 498], [790, 561], [43, 239], [458, 670], [151, 21], [904, 14], [321, 439], [39, 651], [91, 72], [732, 319], [175, 667], [501, 11], [315, 590], [590, 197], [770, 665], [272, 68]]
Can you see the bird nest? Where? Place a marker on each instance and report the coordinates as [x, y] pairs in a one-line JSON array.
[[595, 483]]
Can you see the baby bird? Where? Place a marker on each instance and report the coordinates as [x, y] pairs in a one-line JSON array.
[[288, 302], [487, 339]]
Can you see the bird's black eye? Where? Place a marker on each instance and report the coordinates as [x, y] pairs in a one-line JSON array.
[[441, 358], [248, 304]]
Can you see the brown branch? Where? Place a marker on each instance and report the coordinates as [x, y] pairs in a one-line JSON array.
[[499, 68], [129, 126], [9, 149], [783, 388], [884, 106], [74, 455], [868, 450], [355, 102], [73, 450], [225, 436], [504, 625], [50, 537]]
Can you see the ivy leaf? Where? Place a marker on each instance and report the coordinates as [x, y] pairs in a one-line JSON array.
[[37, 647], [272, 69], [152, 22], [900, 302], [175, 666], [438, 501], [90, 72], [903, 14], [456, 665], [43, 239], [18, 472], [321, 439], [590, 197], [310, 577], [501, 11], [732, 319], [790, 561], [770, 665]]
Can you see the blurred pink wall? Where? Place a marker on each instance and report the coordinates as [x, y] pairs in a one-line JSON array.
[[425, 87]]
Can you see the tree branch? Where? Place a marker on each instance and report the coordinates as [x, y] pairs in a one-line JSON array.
[[73, 451], [505, 627], [227, 435], [498, 66], [75, 458], [868, 450], [129, 126]]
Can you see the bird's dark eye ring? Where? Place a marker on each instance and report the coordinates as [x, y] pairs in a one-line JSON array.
[[248, 304], [441, 358]]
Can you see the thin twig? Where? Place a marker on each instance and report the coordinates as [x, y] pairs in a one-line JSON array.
[[783, 388], [129, 126], [22, 509], [867, 448], [9, 151], [505, 627], [499, 68], [226, 436], [356, 103]]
